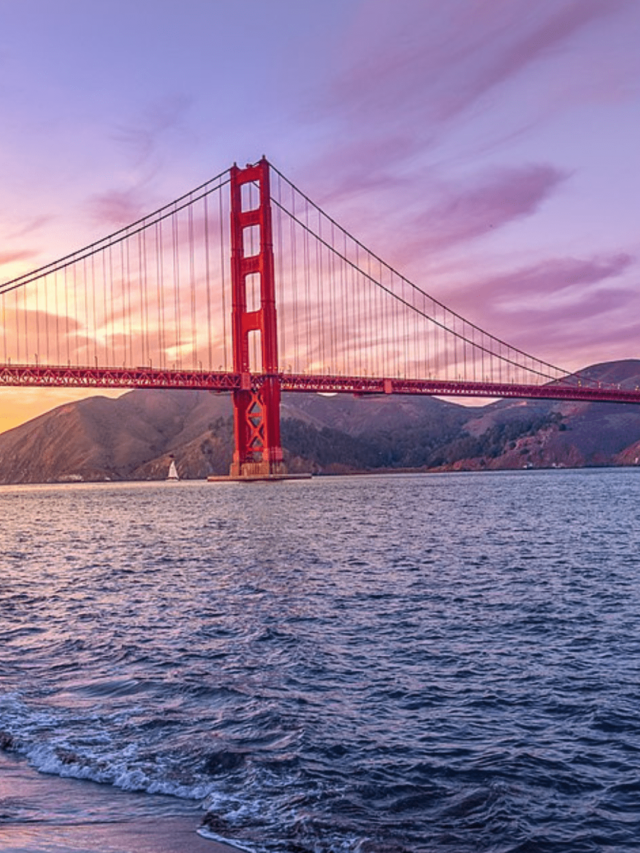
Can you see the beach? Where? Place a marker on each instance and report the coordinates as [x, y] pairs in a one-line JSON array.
[[40, 813]]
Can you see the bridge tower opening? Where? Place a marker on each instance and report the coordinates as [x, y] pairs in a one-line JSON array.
[[256, 404]]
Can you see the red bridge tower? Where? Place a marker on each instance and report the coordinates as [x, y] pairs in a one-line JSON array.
[[256, 404]]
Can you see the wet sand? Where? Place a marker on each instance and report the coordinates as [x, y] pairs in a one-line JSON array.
[[42, 813], [171, 835]]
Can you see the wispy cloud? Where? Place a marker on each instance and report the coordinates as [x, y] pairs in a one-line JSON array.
[[117, 208], [29, 226], [142, 140], [16, 255], [575, 308], [562, 277], [486, 204], [142, 137], [415, 77], [414, 68]]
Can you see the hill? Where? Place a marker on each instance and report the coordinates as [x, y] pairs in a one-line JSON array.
[[135, 436], [569, 434]]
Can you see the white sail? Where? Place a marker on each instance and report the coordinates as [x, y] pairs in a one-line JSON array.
[[173, 472]]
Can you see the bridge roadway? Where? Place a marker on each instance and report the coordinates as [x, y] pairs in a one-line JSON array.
[[48, 376]]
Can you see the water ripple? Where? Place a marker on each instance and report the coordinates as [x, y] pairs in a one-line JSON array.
[[416, 663]]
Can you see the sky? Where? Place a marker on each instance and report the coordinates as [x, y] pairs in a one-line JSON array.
[[487, 149]]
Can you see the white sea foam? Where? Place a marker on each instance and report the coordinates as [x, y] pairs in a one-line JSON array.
[[222, 839]]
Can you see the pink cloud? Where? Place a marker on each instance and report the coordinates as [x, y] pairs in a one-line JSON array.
[[414, 228], [413, 74], [29, 226], [551, 277], [17, 255], [444, 57], [118, 208], [494, 201], [591, 306], [559, 294], [579, 339], [540, 33], [413, 67], [564, 310], [142, 139]]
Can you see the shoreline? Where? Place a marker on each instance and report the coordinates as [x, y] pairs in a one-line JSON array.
[[42, 813], [143, 835]]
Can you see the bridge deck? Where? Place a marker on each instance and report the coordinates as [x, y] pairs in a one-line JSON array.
[[48, 376]]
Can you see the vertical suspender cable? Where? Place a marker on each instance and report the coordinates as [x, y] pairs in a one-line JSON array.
[[37, 285], [17, 309], [141, 294], [294, 281], [112, 314], [320, 304], [391, 330], [160, 292], [4, 327], [105, 316], [46, 316], [66, 312], [57, 310], [145, 297], [129, 303], [192, 287], [406, 334], [94, 321], [86, 311], [26, 331], [176, 289], [307, 285], [331, 290], [123, 302], [344, 334], [359, 312], [224, 284], [371, 311], [76, 311], [207, 278]]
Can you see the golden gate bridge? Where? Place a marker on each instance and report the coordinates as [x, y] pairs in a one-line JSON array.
[[244, 285]]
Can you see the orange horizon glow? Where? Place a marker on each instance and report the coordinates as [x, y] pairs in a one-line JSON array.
[[20, 405]]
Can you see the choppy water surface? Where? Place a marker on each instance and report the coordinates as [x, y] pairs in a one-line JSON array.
[[405, 663]]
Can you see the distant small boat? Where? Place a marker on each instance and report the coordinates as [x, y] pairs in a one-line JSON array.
[[173, 472]]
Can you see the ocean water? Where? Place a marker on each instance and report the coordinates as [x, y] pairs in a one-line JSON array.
[[396, 663]]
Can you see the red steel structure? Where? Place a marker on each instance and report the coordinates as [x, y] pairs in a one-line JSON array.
[[360, 386], [256, 407], [255, 292]]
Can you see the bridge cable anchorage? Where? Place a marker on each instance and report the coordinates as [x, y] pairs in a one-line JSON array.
[[200, 295]]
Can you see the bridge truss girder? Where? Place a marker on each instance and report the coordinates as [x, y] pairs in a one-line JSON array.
[[254, 384]]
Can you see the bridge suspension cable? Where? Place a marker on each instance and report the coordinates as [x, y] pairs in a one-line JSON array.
[[156, 296], [344, 311], [152, 294]]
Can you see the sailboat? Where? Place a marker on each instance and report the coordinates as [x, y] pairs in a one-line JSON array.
[[173, 472]]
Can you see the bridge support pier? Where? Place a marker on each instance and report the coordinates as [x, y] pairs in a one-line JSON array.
[[256, 404]]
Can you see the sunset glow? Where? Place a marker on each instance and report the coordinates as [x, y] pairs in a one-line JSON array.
[[486, 150]]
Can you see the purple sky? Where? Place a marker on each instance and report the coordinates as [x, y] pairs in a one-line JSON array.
[[485, 148]]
